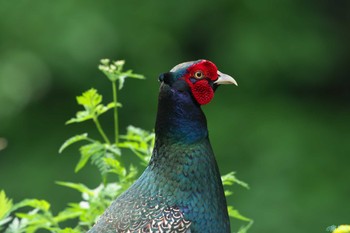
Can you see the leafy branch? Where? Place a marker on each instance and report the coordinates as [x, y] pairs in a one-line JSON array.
[[96, 151], [114, 72], [229, 180]]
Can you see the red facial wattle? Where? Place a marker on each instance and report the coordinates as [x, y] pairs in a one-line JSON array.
[[201, 90]]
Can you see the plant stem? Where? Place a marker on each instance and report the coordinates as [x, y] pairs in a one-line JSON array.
[[100, 130], [115, 100]]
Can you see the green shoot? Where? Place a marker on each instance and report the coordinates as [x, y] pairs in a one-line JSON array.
[[114, 72]]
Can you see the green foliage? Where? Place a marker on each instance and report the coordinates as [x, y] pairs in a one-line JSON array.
[[140, 141], [38, 217], [91, 101], [5, 208], [114, 71], [228, 180], [107, 157], [72, 140]]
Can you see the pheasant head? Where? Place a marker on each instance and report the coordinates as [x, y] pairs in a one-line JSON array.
[[200, 78]]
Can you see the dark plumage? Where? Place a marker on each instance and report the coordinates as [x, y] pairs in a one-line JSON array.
[[181, 189]]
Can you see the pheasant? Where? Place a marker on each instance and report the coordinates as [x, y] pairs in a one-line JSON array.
[[181, 189]]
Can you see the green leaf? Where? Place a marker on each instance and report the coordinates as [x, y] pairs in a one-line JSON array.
[[77, 186], [139, 141], [80, 117], [82, 162], [230, 179], [89, 98], [228, 193], [244, 229], [234, 213], [91, 101], [130, 74], [66, 214], [68, 230], [98, 160], [5, 205], [114, 149], [34, 203], [131, 176], [86, 152], [38, 219], [73, 140], [100, 109], [127, 74], [115, 166]]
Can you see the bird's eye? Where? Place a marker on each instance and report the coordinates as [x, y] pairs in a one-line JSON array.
[[198, 75]]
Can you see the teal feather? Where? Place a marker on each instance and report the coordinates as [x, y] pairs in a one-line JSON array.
[[181, 189]]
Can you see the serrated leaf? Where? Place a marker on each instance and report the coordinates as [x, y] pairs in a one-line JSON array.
[[114, 149], [98, 160], [86, 152], [77, 186], [139, 141], [115, 166], [73, 140], [89, 99], [5, 205]]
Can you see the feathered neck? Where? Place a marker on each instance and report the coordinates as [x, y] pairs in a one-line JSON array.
[[183, 167], [179, 119]]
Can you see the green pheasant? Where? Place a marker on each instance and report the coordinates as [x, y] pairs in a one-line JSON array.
[[181, 189]]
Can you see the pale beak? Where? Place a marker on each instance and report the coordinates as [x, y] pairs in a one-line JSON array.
[[225, 79]]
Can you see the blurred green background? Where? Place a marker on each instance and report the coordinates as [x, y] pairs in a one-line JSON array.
[[285, 129]]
